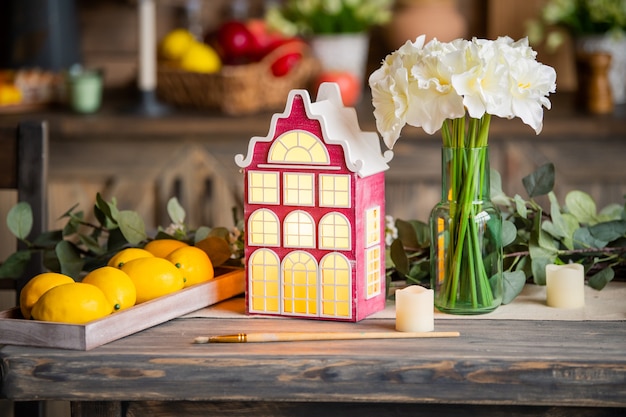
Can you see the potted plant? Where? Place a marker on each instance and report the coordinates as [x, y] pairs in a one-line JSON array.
[[336, 29], [595, 25]]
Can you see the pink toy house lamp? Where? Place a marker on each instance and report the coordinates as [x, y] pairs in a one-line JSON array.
[[314, 209]]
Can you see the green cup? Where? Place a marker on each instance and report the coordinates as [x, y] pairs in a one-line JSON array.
[[85, 90]]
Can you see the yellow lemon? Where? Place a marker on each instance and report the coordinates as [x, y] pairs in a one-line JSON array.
[[194, 264], [75, 303], [175, 44], [37, 286], [201, 58], [153, 277], [116, 285], [128, 254], [163, 247]]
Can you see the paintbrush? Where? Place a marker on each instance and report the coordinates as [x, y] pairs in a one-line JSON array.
[[297, 336]]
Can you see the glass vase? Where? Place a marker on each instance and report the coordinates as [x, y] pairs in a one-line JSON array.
[[466, 238]]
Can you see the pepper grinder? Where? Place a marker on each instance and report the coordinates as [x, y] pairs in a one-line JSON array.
[[594, 88]]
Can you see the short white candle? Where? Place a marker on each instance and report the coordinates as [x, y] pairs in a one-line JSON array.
[[147, 45], [415, 309], [565, 286]]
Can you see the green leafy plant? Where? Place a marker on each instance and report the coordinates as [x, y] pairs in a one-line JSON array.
[[309, 17], [81, 246], [532, 237]]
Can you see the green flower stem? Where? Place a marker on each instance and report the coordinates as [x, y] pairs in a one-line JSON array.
[[464, 264]]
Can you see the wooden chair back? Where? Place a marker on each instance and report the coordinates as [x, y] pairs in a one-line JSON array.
[[24, 167]]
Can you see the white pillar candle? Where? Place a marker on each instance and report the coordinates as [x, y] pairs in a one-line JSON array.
[[147, 45], [415, 309], [565, 286]]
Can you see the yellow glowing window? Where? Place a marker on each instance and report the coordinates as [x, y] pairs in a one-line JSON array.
[[334, 190], [298, 147], [298, 189], [299, 230], [263, 187], [336, 286], [264, 288], [373, 275], [334, 232], [263, 228], [300, 284], [372, 226]]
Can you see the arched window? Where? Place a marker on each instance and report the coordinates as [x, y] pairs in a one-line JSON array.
[[263, 276], [263, 228], [298, 147], [336, 286], [334, 230], [300, 284], [299, 230]]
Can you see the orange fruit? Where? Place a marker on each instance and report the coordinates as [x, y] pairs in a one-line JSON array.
[[128, 254], [116, 285], [153, 277], [163, 247], [38, 286], [75, 303], [194, 264]]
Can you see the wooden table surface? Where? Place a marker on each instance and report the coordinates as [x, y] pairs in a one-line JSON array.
[[495, 368]]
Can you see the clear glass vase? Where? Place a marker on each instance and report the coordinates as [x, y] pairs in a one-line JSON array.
[[466, 236]]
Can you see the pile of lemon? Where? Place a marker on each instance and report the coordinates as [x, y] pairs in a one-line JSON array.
[[132, 276], [179, 47]]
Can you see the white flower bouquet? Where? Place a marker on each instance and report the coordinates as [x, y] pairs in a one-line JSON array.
[[456, 87]]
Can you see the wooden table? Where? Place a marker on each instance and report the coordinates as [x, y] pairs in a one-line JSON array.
[[495, 368]]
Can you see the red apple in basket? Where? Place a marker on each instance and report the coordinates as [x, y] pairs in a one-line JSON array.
[[349, 85], [234, 42]]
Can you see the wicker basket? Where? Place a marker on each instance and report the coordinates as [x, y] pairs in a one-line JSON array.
[[236, 89]]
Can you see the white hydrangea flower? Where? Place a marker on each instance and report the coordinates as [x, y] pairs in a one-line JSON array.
[[423, 85]]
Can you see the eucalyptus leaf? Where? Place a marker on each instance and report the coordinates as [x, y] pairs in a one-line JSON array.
[[608, 231], [175, 211], [132, 226], [599, 280], [520, 206], [48, 239], [540, 182], [201, 233], [69, 259], [513, 284], [15, 265], [581, 206], [584, 240], [539, 269], [509, 233], [611, 212], [399, 258], [217, 248], [497, 195], [20, 220], [406, 234], [220, 232], [92, 244]]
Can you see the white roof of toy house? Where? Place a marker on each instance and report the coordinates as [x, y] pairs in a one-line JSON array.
[[340, 126]]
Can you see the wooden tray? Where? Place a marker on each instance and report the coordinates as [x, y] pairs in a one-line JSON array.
[[15, 330]]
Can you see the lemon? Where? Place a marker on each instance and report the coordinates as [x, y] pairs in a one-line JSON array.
[[163, 247], [194, 264], [128, 254], [116, 285], [174, 45], [153, 277], [37, 286], [75, 303], [201, 58]]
